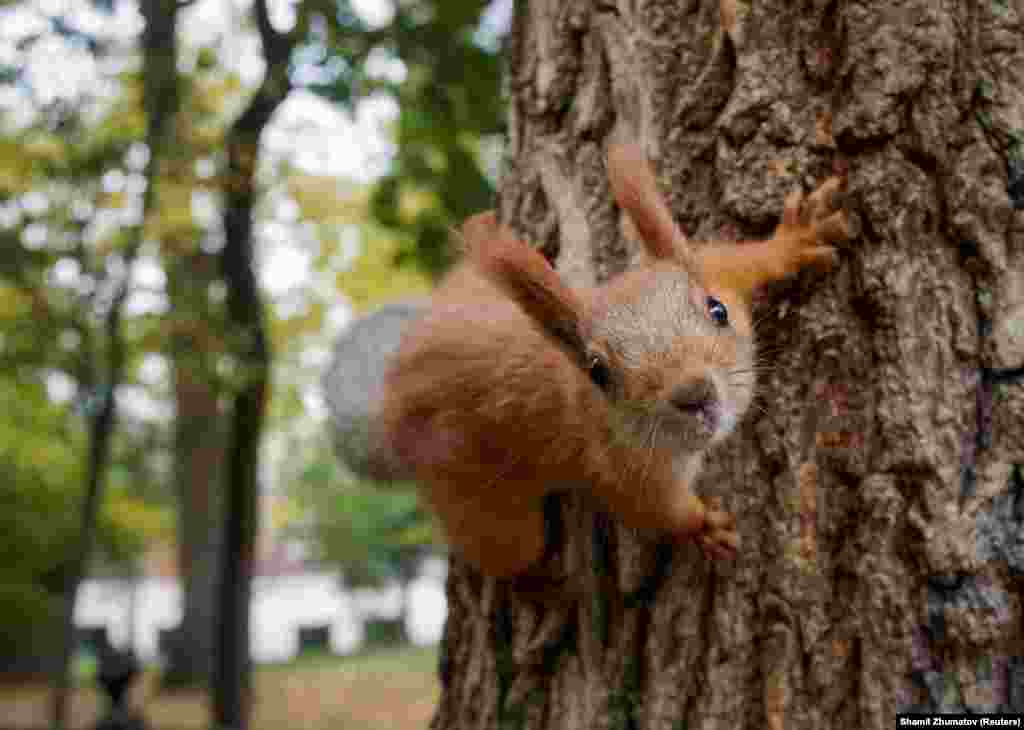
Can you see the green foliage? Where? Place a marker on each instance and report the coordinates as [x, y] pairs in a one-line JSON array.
[[41, 478], [451, 106], [372, 533], [40, 446], [59, 267], [374, 278]]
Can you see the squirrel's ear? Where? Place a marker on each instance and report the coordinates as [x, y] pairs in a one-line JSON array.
[[636, 192], [477, 230], [527, 278]]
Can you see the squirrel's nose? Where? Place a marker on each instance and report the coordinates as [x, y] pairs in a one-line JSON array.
[[695, 396]]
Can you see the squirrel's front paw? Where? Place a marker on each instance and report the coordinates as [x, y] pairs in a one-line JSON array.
[[718, 539], [810, 223]]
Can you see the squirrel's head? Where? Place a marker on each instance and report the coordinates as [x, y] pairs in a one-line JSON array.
[[670, 356], [673, 356]]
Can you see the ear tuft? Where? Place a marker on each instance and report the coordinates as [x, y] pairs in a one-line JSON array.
[[527, 278], [477, 230], [636, 191]]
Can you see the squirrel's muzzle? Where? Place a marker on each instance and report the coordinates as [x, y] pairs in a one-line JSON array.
[[697, 398], [694, 395]]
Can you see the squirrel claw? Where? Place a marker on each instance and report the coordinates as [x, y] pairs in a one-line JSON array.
[[822, 257], [719, 539], [720, 545], [825, 199], [810, 223], [835, 227], [804, 211]]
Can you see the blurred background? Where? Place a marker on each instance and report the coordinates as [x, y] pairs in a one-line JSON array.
[[201, 202]]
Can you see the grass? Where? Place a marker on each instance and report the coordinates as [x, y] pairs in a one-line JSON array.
[[391, 689]]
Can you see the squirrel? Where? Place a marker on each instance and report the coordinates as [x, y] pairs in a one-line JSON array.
[[512, 384]]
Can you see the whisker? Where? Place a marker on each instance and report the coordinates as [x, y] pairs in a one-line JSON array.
[[649, 447], [624, 473], [715, 339], [755, 368], [769, 351], [741, 375], [763, 318], [766, 358], [759, 408]]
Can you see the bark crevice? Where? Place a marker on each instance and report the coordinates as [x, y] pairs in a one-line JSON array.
[[877, 484]]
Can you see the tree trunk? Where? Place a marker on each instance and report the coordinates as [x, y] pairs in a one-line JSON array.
[[101, 430], [198, 453], [232, 680], [161, 100], [878, 493]]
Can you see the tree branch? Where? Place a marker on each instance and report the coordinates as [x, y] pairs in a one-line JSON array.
[[277, 47]]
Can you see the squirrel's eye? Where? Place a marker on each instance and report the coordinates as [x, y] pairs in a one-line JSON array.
[[717, 311], [598, 371]]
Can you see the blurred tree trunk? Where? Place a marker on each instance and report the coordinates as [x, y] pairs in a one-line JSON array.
[[879, 493], [232, 671], [198, 453], [161, 101]]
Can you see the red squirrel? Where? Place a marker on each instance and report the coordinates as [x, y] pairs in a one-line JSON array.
[[513, 384]]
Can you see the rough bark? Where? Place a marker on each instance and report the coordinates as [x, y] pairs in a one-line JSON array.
[[877, 485]]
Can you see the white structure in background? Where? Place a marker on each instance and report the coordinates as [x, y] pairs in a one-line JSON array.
[[135, 612], [425, 625]]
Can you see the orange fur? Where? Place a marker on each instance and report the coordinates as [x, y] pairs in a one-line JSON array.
[[527, 278], [494, 398], [799, 241], [636, 190]]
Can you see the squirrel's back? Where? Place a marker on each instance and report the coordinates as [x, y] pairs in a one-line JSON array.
[[477, 390]]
